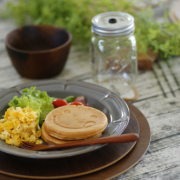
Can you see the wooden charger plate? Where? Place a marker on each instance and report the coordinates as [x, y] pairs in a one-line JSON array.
[[104, 163]]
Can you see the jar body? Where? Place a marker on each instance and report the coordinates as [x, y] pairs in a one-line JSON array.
[[114, 62]]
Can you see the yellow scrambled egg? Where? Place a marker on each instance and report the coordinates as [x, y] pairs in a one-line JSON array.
[[20, 125]]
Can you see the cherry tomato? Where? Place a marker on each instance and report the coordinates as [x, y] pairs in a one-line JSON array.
[[76, 103], [59, 102]]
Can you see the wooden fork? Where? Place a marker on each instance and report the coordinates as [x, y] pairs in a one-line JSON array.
[[124, 138]]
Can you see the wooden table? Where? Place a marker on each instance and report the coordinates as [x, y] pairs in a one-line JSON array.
[[158, 99]]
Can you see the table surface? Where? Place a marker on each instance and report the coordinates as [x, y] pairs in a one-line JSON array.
[[158, 99]]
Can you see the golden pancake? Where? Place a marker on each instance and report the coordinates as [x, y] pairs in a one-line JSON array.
[[75, 122], [52, 140]]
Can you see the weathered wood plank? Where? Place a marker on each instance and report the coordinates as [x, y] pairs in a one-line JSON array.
[[159, 101], [162, 114], [151, 166]]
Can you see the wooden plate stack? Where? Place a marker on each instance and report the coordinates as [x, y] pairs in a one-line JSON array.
[[104, 163]]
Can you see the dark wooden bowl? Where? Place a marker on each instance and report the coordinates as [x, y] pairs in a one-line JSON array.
[[38, 52]]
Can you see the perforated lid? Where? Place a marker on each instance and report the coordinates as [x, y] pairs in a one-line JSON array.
[[113, 23]]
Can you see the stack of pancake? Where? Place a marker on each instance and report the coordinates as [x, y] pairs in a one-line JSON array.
[[71, 123]]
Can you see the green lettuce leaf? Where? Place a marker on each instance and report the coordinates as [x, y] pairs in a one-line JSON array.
[[35, 99], [69, 99]]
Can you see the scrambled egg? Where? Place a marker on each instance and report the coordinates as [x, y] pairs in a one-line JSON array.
[[20, 125]]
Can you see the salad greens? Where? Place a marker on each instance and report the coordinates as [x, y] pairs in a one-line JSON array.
[[69, 99], [35, 99]]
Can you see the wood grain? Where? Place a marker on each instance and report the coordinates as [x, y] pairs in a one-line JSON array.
[[123, 138], [158, 99], [38, 51]]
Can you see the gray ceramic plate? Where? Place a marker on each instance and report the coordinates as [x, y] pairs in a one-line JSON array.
[[98, 97]]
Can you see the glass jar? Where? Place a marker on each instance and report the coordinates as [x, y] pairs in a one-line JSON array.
[[113, 51]]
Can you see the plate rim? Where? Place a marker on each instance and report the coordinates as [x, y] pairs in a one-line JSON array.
[[41, 154]]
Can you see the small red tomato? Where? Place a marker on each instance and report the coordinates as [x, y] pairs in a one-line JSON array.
[[59, 102], [76, 103]]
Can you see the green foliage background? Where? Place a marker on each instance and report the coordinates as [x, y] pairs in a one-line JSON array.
[[76, 15]]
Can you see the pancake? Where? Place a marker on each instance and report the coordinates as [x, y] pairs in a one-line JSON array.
[[52, 140], [75, 122]]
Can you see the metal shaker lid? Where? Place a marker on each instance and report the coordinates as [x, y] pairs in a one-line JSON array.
[[113, 23]]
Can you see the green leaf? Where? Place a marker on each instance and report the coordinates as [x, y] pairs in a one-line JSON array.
[[76, 16], [69, 99], [35, 99]]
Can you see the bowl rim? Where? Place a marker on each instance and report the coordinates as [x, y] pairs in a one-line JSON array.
[[42, 51]]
